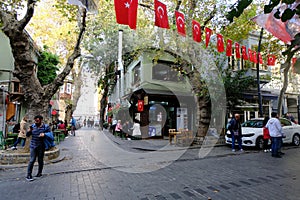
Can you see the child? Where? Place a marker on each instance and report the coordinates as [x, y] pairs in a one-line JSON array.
[[266, 135]]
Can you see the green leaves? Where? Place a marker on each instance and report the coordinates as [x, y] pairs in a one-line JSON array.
[[238, 10], [47, 67]]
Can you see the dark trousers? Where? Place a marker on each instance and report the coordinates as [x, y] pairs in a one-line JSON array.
[[19, 140], [276, 145], [36, 152], [239, 141]]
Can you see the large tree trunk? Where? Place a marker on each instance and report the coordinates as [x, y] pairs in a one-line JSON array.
[[36, 97]]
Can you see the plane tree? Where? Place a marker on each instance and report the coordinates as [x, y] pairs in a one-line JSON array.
[[13, 24]]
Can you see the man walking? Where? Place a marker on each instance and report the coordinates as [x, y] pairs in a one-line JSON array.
[[37, 145], [235, 129], [276, 134]]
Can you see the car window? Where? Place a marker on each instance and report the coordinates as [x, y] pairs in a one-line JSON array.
[[253, 123], [285, 122]]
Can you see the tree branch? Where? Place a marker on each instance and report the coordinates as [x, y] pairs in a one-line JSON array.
[[59, 81], [28, 15]]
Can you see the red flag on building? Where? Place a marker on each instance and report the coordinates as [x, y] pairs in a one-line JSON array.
[[220, 43], [180, 23], [237, 50], [285, 31], [244, 53], [260, 58], [126, 12], [229, 47], [196, 31], [208, 33], [271, 60], [250, 55], [161, 15], [140, 106], [254, 55]]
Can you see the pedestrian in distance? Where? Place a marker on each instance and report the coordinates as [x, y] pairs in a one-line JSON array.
[[290, 117], [136, 129], [235, 129], [73, 126], [118, 129], [21, 134], [276, 134], [266, 135], [37, 145]]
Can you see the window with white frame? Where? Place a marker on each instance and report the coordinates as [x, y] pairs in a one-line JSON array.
[[69, 88]]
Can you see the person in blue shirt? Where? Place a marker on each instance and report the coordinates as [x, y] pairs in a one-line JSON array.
[[37, 145], [73, 124]]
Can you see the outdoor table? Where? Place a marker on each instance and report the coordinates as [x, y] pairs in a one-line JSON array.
[[59, 135]]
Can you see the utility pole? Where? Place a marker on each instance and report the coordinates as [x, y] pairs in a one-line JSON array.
[[260, 112], [120, 66]]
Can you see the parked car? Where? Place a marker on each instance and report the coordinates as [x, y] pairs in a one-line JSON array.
[[252, 133]]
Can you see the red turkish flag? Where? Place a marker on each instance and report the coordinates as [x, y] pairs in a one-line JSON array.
[[180, 23], [220, 43], [229, 47], [140, 106], [260, 58], [126, 12], [244, 53], [208, 33], [250, 55], [196, 31], [237, 50], [254, 56], [271, 60], [161, 15]]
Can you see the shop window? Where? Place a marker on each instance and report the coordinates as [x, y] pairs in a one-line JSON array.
[[166, 72], [136, 74]]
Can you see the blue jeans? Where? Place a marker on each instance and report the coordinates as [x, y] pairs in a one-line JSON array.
[[276, 144], [19, 139], [239, 140], [36, 152]]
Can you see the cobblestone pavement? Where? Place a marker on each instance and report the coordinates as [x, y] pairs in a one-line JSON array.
[[96, 165]]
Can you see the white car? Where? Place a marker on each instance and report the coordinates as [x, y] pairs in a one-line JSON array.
[[252, 132]]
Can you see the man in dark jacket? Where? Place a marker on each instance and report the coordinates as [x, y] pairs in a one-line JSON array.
[[37, 145], [235, 129]]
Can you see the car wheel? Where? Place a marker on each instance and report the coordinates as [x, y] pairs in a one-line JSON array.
[[259, 142], [296, 139]]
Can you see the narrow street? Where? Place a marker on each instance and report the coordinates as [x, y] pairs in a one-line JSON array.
[[95, 165]]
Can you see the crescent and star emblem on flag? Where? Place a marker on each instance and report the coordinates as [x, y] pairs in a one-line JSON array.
[[161, 12], [196, 28], [180, 21], [127, 4]]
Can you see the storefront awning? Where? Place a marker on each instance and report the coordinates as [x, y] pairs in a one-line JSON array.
[[265, 96], [157, 89]]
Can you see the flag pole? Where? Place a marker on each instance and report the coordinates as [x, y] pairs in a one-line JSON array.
[[260, 112]]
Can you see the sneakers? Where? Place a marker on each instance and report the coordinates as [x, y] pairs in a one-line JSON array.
[[29, 178], [233, 150], [241, 150], [13, 148], [266, 150], [39, 175]]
